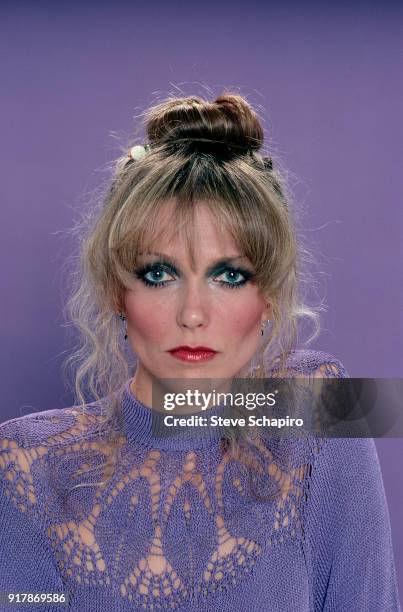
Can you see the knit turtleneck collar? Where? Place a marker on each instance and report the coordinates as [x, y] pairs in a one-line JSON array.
[[146, 426]]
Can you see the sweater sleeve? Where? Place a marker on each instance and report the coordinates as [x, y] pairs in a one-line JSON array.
[[27, 564], [349, 532]]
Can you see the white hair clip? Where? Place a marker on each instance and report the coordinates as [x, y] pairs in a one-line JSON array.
[[138, 151]]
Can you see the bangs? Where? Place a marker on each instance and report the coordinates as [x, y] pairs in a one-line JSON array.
[[159, 225], [162, 206]]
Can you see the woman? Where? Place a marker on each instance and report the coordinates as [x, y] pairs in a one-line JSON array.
[[192, 265]]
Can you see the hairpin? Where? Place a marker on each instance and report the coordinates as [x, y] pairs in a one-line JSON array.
[[138, 151], [268, 163]]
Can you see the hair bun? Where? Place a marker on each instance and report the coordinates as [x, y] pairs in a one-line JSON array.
[[226, 127]]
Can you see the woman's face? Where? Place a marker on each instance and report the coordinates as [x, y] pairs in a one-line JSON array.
[[216, 306]]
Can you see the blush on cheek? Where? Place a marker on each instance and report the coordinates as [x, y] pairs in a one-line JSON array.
[[246, 321], [146, 323]]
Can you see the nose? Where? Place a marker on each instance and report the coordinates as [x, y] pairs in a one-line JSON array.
[[192, 310]]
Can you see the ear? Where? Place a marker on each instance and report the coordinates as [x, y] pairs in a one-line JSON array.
[[118, 304], [268, 312]]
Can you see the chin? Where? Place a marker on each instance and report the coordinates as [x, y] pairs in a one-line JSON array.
[[192, 371]]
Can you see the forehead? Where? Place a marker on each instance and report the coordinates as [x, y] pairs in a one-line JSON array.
[[196, 236]]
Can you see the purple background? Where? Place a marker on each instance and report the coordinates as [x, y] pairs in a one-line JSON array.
[[330, 81]]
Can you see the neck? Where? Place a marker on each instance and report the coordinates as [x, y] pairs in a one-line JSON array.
[[150, 391]]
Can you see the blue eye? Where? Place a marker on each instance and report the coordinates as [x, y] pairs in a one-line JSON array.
[[155, 273], [232, 274]]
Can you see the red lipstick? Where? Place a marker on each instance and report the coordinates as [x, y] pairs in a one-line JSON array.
[[193, 354]]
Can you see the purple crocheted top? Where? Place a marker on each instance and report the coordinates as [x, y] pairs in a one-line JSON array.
[[172, 526]]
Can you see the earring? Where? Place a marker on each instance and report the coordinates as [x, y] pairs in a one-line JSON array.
[[123, 318], [264, 325]]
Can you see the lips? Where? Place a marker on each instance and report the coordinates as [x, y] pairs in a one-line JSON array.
[[193, 354]]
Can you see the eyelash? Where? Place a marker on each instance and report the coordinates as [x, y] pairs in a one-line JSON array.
[[166, 267]]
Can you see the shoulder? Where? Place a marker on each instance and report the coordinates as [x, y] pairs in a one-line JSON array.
[[31, 428], [38, 450], [26, 440], [51, 426], [306, 362], [350, 461], [25, 443]]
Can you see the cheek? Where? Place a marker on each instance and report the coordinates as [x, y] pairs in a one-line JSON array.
[[146, 317], [242, 318]]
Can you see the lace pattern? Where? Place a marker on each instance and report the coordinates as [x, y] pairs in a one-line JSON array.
[[165, 524]]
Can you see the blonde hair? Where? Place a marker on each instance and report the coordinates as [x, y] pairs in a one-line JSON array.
[[199, 151]]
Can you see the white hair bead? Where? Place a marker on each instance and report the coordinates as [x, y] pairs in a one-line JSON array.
[[137, 151]]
